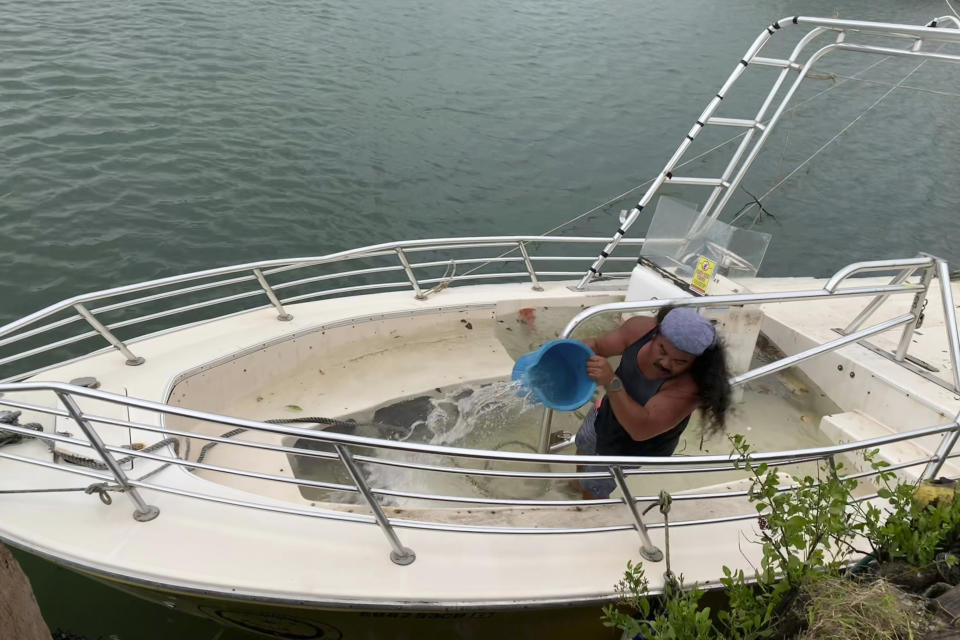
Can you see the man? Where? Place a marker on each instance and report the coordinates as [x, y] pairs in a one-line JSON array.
[[670, 366]]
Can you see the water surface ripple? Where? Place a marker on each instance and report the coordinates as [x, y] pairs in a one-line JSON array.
[[146, 139]]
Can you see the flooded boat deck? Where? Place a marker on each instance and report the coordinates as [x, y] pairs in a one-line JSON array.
[[455, 391]]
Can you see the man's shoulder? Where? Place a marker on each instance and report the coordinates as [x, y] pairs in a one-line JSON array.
[[637, 327], [683, 384]]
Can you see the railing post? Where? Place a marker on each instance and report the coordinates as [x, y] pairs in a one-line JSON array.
[[940, 457], [876, 302], [282, 315], [144, 512], [530, 270], [647, 550], [950, 320], [410, 275], [544, 444], [132, 360], [919, 301], [400, 554]]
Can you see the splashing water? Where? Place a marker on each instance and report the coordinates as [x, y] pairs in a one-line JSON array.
[[476, 414], [495, 417]]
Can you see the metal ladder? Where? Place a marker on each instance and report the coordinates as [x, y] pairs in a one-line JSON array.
[[757, 128]]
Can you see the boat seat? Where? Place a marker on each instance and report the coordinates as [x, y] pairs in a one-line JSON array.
[[851, 426]]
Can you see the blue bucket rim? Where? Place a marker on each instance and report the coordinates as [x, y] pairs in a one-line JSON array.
[[530, 360]]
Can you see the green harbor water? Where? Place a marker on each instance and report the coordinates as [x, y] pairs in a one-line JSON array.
[[140, 140]]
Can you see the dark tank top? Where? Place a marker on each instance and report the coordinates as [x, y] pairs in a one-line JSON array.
[[612, 438]]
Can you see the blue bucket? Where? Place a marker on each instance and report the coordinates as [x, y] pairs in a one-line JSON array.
[[556, 373]]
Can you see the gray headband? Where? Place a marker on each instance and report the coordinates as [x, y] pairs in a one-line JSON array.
[[688, 331]]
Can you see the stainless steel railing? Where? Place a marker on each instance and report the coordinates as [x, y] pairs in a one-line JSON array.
[[340, 450], [149, 303], [927, 265], [341, 446]]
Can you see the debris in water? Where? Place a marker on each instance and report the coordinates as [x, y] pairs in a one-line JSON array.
[[294, 407], [793, 384]]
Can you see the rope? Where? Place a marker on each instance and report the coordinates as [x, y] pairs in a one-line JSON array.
[[828, 142], [715, 148], [91, 463], [99, 488], [448, 276], [619, 197], [950, 6], [6, 491], [664, 502], [911, 87], [12, 418]]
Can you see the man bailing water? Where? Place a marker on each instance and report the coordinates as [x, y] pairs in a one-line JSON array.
[[670, 366]]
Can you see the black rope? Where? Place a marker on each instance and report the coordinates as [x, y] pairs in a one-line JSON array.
[[12, 418], [756, 202], [83, 461]]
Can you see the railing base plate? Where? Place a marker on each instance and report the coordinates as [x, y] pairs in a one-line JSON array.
[[146, 516], [653, 555], [403, 559]]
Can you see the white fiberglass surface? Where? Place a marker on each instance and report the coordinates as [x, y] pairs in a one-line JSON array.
[[778, 412]]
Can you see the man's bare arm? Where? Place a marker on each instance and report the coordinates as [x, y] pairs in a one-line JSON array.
[[614, 343]]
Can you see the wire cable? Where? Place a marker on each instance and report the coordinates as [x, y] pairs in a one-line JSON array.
[[828, 142]]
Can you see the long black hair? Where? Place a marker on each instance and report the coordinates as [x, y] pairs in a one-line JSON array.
[[712, 377]]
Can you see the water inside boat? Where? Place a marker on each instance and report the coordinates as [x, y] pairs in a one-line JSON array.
[[491, 413]]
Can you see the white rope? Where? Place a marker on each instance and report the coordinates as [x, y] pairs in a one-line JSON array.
[[681, 165], [952, 9], [829, 142], [712, 149], [948, 94], [640, 186]]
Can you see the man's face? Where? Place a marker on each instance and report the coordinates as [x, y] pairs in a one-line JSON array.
[[669, 360]]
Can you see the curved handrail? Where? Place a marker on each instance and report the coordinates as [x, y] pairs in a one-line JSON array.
[[874, 265], [733, 299], [209, 288], [401, 554], [362, 252], [460, 452]]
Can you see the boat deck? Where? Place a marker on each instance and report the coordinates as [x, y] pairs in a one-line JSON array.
[[206, 546]]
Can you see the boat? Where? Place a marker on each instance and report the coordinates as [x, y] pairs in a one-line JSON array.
[[330, 447]]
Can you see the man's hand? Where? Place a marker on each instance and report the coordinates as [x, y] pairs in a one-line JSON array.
[[599, 370]]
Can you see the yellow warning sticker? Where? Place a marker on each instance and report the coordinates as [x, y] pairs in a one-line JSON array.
[[703, 274]]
